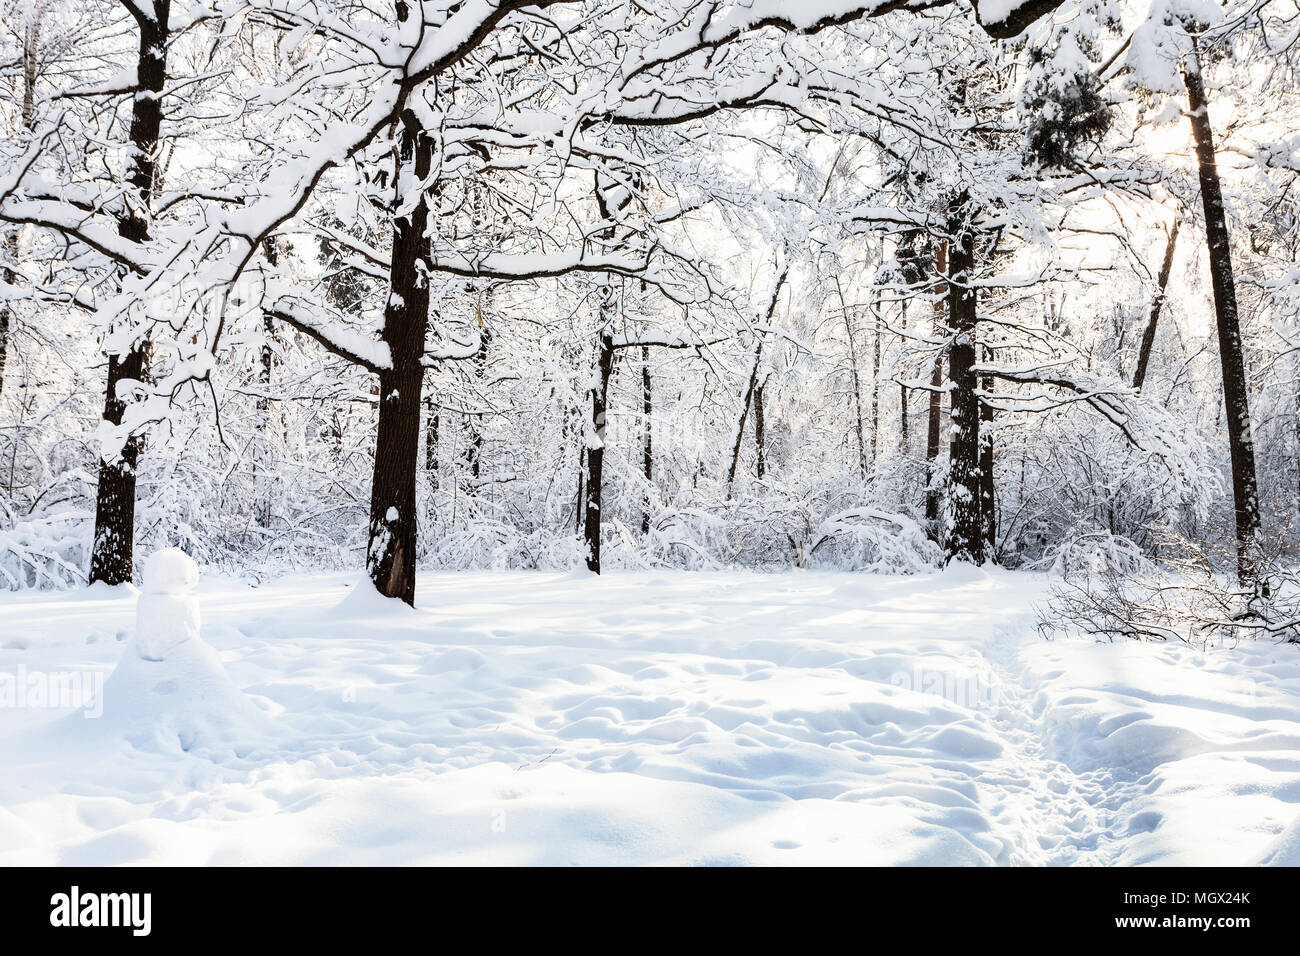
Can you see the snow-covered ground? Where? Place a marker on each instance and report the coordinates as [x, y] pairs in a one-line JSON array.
[[643, 718]]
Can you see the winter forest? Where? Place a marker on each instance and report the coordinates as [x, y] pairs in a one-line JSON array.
[[818, 431]]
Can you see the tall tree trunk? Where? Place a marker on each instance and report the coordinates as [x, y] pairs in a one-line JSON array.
[[760, 436], [875, 382], [1295, 452], [431, 445], [746, 401], [753, 382], [965, 539], [390, 557], [1157, 303], [598, 395], [934, 417], [31, 45], [474, 452], [262, 445], [647, 446], [1245, 494], [857, 383], [113, 554], [580, 515], [988, 489], [9, 277], [262, 452], [904, 438]]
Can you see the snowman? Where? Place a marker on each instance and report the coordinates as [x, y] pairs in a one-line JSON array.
[[170, 690], [167, 612]]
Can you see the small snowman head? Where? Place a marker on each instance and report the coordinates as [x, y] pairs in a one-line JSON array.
[[170, 571]]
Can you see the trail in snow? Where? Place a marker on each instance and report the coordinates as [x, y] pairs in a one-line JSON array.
[[1058, 816], [657, 718]]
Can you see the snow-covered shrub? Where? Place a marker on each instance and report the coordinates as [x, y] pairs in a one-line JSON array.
[[867, 539], [1094, 551], [689, 538], [1194, 595], [49, 551]]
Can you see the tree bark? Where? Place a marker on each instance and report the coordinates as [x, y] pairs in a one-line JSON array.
[[112, 556], [988, 488], [390, 557], [857, 383], [753, 383], [1157, 303], [965, 538], [904, 394], [875, 383], [474, 452], [31, 44], [1236, 398], [647, 447], [6, 312], [431, 446], [262, 453], [580, 515], [760, 436], [597, 395], [746, 401], [934, 418], [262, 482]]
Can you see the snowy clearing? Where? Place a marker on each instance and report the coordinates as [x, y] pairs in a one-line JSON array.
[[637, 718]]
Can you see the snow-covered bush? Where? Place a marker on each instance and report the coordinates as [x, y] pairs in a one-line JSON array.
[[1193, 595], [1095, 551], [868, 539], [46, 552]]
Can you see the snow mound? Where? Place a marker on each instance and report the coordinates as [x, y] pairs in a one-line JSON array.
[[1285, 850], [365, 601], [181, 703]]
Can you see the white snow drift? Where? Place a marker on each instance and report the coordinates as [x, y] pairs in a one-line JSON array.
[[636, 718]]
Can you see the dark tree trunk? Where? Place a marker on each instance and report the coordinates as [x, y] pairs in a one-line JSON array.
[[746, 402], [580, 516], [965, 538], [1241, 444], [753, 382], [113, 553], [934, 417], [904, 438], [857, 383], [8, 275], [1157, 303], [431, 445], [262, 454], [988, 489], [262, 445], [31, 44], [647, 448], [875, 383], [390, 557], [598, 396], [760, 437], [474, 452]]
